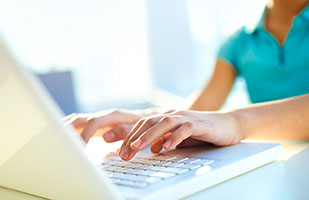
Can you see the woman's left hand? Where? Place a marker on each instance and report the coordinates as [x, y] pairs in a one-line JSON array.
[[180, 127]]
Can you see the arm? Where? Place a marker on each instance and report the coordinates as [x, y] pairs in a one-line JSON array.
[[217, 89], [282, 119]]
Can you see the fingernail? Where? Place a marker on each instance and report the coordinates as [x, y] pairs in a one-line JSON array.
[[109, 136], [167, 144], [136, 143], [125, 154]]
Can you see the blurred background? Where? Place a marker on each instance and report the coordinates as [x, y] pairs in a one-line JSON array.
[[99, 54]]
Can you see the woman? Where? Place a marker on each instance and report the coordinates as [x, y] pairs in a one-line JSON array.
[[273, 59]]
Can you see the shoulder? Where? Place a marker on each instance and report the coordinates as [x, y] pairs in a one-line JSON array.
[[239, 36], [232, 47], [233, 42]]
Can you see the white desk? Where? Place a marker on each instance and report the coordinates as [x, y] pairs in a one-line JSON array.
[[285, 179]]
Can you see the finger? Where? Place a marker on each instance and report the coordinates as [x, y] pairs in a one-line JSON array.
[[134, 129], [112, 118], [77, 120], [165, 125], [126, 152], [157, 146], [146, 123], [182, 133], [91, 127], [79, 123], [141, 126], [117, 133]]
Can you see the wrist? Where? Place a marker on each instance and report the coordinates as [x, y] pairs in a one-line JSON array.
[[238, 123]]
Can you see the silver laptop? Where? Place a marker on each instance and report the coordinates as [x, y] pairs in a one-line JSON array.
[[42, 157]]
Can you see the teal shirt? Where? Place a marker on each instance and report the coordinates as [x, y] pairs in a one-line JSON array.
[[271, 71]]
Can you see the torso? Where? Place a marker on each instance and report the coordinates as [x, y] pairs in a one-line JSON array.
[[275, 61]]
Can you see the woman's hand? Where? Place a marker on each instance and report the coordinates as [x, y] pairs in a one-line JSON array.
[[171, 129], [157, 146], [113, 125]]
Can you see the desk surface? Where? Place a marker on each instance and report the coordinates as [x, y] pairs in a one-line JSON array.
[[284, 179]]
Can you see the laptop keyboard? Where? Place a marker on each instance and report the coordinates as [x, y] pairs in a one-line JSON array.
[[142, 171]]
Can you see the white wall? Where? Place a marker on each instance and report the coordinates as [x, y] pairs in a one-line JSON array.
[[118, 49], [103, 41]]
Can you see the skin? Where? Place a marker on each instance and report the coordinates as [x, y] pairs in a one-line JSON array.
[[217, 89], [282, 119], [280, 15], [200, 124]]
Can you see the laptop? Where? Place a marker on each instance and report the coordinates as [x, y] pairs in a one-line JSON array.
[[42, 157]]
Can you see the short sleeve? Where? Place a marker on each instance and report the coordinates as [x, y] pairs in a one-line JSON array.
[[229, 50]]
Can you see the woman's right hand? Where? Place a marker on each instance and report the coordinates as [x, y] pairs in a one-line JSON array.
[[115, 125], [112, 125]]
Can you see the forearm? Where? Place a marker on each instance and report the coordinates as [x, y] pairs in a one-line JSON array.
[[217, 89], [209, 99], [282, 119]]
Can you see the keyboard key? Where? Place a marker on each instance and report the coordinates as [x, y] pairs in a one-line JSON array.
[[107, 167], [117, 175], [142, 167], [204, 162], [113, 158], [158, 168], [170, 170], [140, 172], [178, 158], [137, 160], [143, 160], [189, 160], [150, 167], [133, 177], [118, 169], [129, 183], [151, 162], [146, 179], [173, 170], [190, 166], [147, 173], [162, 175], [163, 158], [151, 180], [163, 163], [119, 164], [108, 162], [176, 164], [181, 160], [134, 165]]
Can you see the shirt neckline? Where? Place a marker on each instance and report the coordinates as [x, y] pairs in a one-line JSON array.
[[260, 23]]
